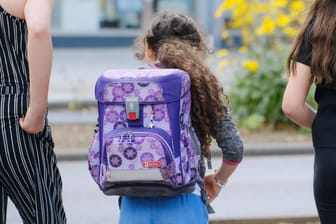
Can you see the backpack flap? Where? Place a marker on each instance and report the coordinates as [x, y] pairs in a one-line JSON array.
[[168, 79]]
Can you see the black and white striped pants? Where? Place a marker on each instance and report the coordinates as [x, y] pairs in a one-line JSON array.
[[29, 175]]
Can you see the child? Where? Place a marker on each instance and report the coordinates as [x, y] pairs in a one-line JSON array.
[[173, 41]]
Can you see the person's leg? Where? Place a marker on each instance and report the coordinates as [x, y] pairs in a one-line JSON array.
[[188, 208], [325, 184], [3, 205], [47, 180], [136, 210], [30, 175]]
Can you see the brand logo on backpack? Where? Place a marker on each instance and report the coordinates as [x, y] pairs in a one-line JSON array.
[[151, 164]]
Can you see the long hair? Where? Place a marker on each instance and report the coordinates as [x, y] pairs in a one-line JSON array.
[[320, 23], [176, 42]]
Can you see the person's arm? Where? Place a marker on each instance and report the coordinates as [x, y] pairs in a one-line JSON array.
[[38, 18], [294, 103], [215, 182], [229, 140]]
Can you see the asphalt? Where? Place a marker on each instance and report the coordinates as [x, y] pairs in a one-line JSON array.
[[263, 190]]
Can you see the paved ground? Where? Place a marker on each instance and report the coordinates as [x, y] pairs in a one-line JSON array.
[[262, 187]]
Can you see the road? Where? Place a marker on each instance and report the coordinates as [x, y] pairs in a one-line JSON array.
[[262, 187]]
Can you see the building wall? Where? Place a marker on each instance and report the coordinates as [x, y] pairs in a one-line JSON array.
[[109, 23]]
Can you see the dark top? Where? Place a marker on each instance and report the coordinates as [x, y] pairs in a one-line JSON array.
[[324, 125]]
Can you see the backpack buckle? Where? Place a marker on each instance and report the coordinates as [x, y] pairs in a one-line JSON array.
[[132, 108]]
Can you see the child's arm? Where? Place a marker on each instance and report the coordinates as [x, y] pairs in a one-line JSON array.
[[229, 140]]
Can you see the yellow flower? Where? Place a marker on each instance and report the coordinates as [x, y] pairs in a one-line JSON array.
[[223, 64], [240, 10], [251, 65], [297, 15], [228, 4], [249, 18], [225, 34], [259, 7], [237, 23], [257, 20], [290, 31], [243, 49], [220, 10], [267, 26], [297, 6], [283, 20], [280, 3], [222, 53], [245, 33]]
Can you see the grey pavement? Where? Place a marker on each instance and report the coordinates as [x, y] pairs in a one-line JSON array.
[[262, 187]]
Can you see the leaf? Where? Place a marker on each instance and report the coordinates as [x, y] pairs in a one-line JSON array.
[[252, 122]]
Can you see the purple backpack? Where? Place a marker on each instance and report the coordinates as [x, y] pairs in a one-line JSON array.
[[145, 145]]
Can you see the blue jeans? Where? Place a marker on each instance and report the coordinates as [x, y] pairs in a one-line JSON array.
[[187, 208]]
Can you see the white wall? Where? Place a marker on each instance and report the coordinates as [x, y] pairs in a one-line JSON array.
[[79, 15]]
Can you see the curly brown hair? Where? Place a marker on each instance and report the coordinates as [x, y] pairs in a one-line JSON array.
[[320, 26], [176, 42]]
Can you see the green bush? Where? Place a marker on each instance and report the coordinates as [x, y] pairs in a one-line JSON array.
[[267, 29], [257, 95]]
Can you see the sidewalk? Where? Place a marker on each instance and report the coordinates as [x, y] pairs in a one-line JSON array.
[[262, 188]]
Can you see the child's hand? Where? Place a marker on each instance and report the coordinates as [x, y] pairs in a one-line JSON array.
[[33, 122], [211, 187]]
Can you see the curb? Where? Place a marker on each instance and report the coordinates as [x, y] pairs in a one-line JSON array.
[[250, 150], [79, 104], [71, 156], [271, 149], [288, 220]]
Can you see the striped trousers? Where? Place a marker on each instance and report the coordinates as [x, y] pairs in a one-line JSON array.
[[29, 175]]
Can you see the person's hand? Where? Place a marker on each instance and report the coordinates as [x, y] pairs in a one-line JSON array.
[[211, 187], [33, 122]]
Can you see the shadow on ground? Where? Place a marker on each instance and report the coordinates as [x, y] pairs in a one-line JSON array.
[[306, 220]]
